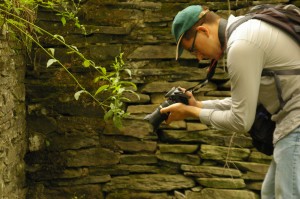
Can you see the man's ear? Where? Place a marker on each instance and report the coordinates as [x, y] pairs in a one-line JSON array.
[[203, 29]]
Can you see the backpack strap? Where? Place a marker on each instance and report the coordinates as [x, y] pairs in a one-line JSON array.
[[287, 18], [275, 73]]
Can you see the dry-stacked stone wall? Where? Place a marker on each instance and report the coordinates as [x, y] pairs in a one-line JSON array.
[[13, 142], [73, 153]]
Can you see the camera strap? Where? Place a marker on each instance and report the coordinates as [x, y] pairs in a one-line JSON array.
[[210, 74]]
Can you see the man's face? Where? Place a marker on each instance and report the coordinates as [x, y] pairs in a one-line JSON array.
[[195, 46], [201, 44]]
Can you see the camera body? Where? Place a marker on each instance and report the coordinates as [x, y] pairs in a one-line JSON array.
[[175, 95]]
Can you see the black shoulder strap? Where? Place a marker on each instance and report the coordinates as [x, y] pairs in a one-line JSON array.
[[275, 73]]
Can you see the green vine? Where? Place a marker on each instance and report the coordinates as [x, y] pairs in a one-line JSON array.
[[12, 14]]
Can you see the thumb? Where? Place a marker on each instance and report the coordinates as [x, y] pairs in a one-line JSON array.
[[164, 110], [189, 93]]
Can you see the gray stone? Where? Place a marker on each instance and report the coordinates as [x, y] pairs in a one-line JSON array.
[[253, 176], [42, 124], [150, 182], [36, 142], [179, 158], [138, 159], [123, 169], [270, 1], [251, 166], [40, 173], [106, 52], [222, 183], [92, 29], [133, 128], [254, 185], [90, 157], [136, 146], [153, 52], [13, 134], [210, 136], [84, 181], [87, 125], [212, 170], [223, 153], [206, 136], [134, 109], [136, 98], [137, 195], [258, 157], [210, 193], [196, 126], [83, 191], [177, 148], [171, 74], [174, 125], [71, 141], [164, 87]]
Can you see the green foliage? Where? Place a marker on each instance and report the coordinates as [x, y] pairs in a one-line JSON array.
[[19, 15], [67, 10]]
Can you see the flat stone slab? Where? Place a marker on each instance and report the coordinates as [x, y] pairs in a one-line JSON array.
[[210, 193], [222, 183], [212, 170], [149, 182]]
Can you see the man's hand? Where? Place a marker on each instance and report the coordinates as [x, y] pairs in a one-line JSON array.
[[192, 100], [179, 111]]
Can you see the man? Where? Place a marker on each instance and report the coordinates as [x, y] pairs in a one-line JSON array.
[[252, 47]]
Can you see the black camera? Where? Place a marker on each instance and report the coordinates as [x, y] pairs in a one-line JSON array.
[[175, 95]]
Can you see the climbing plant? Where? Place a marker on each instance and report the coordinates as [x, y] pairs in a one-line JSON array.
[[17, 18]]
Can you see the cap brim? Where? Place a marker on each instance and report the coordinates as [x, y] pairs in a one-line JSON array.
[[179, 48]]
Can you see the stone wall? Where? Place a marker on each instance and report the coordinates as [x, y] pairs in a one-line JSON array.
[[13, 142], [73, 153]]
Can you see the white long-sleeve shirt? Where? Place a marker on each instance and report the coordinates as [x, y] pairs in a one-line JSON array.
[[253, 46]]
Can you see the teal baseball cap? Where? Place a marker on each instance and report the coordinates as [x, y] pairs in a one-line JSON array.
[[183, 21]]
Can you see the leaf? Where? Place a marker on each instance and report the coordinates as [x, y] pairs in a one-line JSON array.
[[78, 93], [38, 30], [125, 99], [108, 115], [103, 70], [96, 79], [86, 63], [59, 37], [75, 48], [63, 21], [50, 62], [100, 89], [117, 121], [128, 71], [52, 50], [137, 95], [120, 90], [47, 143], [127, 83]]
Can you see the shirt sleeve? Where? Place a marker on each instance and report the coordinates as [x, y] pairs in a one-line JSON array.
[[223, 104], [245, 63]]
